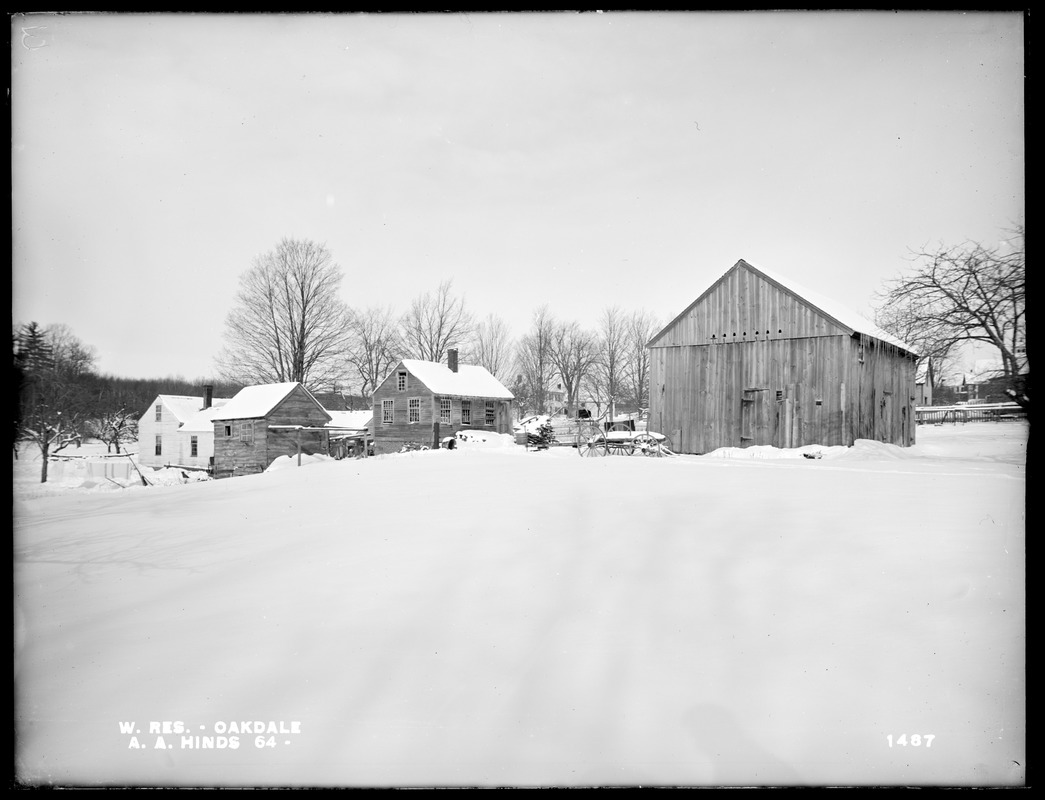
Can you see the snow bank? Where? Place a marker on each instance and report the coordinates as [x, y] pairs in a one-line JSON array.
[[768, 452], [870, 450], [288, 462], [482, 439], [531, 619]]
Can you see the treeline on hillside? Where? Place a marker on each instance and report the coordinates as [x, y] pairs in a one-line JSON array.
[[63, 401]]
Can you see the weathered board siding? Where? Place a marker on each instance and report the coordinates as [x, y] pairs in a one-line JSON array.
[[785, 393], [428, 430], [882, 390], [235, 456], [743, 306]]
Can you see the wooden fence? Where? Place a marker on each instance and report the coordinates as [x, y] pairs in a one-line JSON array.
[[994, 412]]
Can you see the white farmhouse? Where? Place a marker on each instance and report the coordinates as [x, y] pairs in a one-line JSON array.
[[195, 438], [161, 439]]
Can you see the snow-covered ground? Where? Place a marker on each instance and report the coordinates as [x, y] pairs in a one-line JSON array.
[[496, 616]]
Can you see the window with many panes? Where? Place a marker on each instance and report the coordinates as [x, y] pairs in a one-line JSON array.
[[401, 381], [491, 414], [387, 417], [466, 412], [245, 431], [194, 446], [444, 409], [414, 410]]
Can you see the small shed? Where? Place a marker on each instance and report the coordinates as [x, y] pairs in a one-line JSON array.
[[351, 432], [420, 402], [262, 423], [758, 360]]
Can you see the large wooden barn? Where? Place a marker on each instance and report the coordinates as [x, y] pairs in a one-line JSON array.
[[756, 360], [421, 402], [262, 423]]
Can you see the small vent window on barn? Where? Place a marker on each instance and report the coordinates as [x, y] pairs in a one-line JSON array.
[[491, 414], [444, 409], [466, 412], [414, 410], [386, 412]]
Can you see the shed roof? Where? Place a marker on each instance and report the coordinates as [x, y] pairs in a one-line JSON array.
[[468, 381], [253, 402], [350, 419]]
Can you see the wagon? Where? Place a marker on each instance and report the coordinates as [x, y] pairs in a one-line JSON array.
[[594, 440]]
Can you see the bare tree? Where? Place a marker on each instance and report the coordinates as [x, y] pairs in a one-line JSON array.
[[968, 293], [534, 363], [641, 327], [436, 322], [375, 346], [574, 352], [492, 347], [289, 323], [605, 379], [114, 427]]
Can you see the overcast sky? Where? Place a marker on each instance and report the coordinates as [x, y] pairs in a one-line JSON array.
[[583, 161]]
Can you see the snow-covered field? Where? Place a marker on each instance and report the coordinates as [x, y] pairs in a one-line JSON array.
[[496, 616]]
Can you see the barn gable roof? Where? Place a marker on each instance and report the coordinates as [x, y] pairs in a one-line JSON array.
[[840, 315], [254, 402], [468, 381]]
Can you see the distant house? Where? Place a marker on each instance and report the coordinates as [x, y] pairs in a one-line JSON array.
[[161, 442], [756, 360], [420, 402], [262, 423], [983, 382], [924, 381]]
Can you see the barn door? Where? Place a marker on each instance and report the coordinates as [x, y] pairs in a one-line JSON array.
[[753, 429], [886, 416]]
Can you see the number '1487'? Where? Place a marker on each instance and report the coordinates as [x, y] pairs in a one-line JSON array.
[[914, 740]]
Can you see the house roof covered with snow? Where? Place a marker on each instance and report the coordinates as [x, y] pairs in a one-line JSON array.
[[203, 421], [982, 370], [254, 402], [468, 381], [350, 419], [182, 407]]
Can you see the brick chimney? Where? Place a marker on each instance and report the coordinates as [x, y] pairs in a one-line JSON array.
[[451, 360], [208, 396]]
